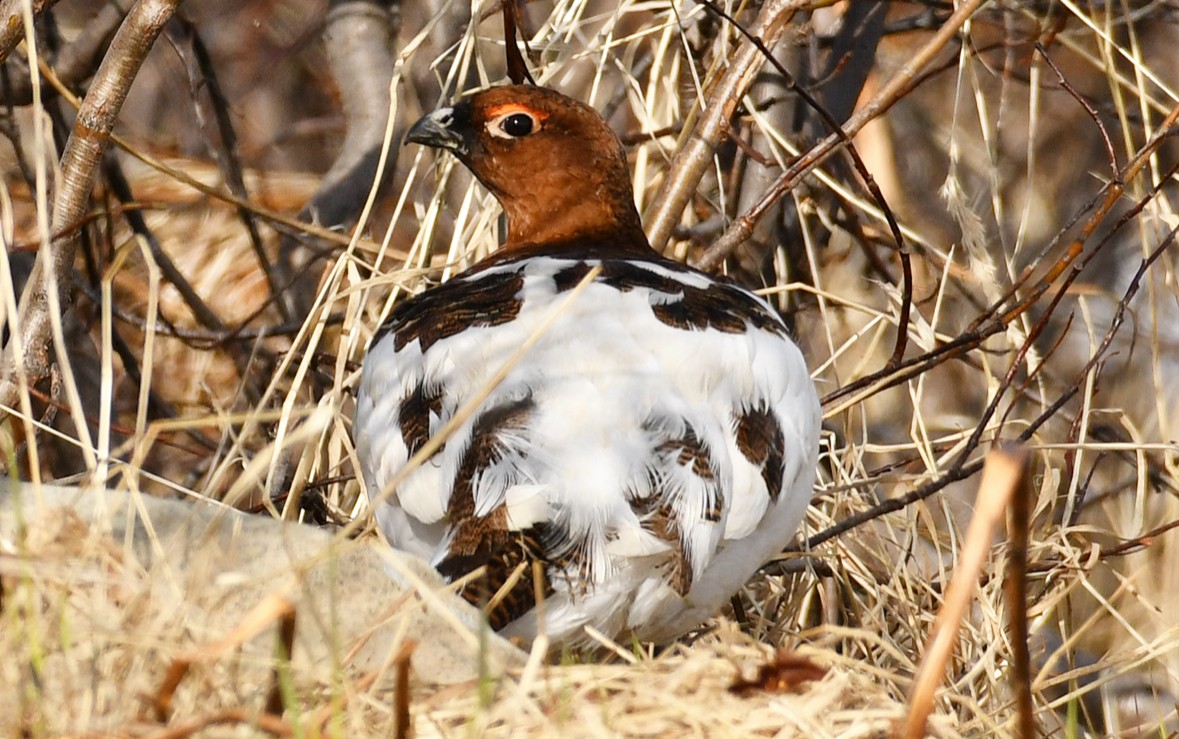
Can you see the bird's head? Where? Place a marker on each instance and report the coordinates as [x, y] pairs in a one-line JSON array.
[[553, 163]]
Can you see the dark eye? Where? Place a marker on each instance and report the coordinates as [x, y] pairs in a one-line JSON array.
[[518, 124], [514, 125]]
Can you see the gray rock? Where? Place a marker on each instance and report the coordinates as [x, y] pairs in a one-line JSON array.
[[217, 564]]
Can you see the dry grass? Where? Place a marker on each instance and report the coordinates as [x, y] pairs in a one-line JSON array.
[[90, 639], [982, 162]]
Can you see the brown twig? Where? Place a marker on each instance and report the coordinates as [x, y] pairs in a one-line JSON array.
[[269, 724], [888, 95], [202, 75], [205, 340], [1089, 109], [113, 174], [861, 169], [1129, 546], [54, 404], [712, 126], [272, 608], [77, 60], [79, 165], [995, 319], [517, 68], [1013, 370], [1001, 478], [288, 226], [961, 469], [282, 662], [402, 728], [358, 37], [1016, 591], [12, 27]]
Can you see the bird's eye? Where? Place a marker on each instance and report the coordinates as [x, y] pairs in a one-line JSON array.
[[517, 124], [513, 125]]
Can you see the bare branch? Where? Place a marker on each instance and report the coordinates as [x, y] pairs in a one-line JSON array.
[[1001, 480], [122, 190], [1016, 589], [12, 27], [877, 106], [79, 166], [358, 37], [710, 131], [517, 68], [872, 20], [961, 470], [77, 61], [202, 75]]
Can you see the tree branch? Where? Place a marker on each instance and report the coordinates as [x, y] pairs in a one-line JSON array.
[[710, 131], [76, 62], [79, 166], [876, 107], [358, 38], [12, 27]]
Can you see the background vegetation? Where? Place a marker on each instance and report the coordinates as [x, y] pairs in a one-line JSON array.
[[981, 250]]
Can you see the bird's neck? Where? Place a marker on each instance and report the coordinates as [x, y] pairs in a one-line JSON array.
[[572, 226]]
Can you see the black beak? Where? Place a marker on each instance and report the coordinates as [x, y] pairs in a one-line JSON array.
[[436, 130]]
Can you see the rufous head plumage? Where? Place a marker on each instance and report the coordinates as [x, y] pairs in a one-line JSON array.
[[554, 164]]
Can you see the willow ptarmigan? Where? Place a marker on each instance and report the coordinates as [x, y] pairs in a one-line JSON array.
[[651, 447]]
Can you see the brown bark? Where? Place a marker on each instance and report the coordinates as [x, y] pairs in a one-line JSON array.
[[12, 27], [79, 165]]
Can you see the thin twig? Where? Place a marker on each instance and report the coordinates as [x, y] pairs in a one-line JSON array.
[[963, 470], [1016, 590], [1089, 109], [995, 319], [27, 351], [273, 608], [247, 718], [866, 178], [202, 75], [1000, 480], [77, 61], [288, 226], [206, 316], [1137, 543], [888, 95], [707, 133]]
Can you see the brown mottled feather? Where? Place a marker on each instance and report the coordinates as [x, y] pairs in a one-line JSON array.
[[487, 541], [453, 307], [414, 415], [759, 437], [500, 556], [658, 517], [724, 307], [660, 520]]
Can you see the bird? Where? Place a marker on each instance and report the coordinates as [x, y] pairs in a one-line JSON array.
[[607, 438]]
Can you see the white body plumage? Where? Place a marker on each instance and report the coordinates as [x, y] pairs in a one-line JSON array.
[[657, 443]]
